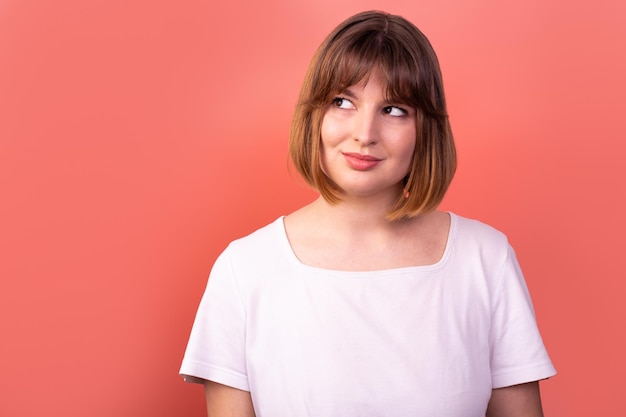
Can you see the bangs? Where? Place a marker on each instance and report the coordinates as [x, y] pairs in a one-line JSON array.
[[356, 59]]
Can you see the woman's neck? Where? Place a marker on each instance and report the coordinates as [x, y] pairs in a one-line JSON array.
[[350, 236]]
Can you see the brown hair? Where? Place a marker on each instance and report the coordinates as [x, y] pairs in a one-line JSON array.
[[377, 41]]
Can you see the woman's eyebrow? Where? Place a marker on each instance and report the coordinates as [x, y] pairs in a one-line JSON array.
[[349, 93]]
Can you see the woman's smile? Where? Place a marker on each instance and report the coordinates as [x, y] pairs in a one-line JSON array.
[[361, 162]]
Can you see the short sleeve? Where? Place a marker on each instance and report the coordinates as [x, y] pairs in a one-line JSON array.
[[216, 347], [517, 352]]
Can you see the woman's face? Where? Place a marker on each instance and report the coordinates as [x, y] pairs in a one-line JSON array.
[[367, 142]]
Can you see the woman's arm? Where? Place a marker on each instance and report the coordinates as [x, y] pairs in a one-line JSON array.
[[521, 400], [225, 401]]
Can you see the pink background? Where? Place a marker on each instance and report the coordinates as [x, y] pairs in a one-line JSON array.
[[137, 138]]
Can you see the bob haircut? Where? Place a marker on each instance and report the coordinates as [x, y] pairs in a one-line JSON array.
[[403, 56]]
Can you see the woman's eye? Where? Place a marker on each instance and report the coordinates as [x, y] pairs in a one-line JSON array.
[[342, 103], [395, 111]]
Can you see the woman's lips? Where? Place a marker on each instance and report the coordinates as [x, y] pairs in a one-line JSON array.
[[361, 162]]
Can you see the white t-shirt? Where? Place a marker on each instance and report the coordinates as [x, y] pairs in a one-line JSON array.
[[425, 341]]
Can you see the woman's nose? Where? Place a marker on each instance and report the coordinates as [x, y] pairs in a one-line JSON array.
[[365, 128]]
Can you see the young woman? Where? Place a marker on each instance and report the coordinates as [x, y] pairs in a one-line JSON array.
[[370, 301]]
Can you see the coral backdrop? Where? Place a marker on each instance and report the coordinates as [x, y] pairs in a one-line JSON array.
[[137, 138]]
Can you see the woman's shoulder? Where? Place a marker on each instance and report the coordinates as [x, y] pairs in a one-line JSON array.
[[265, 237], [471, 231], [478, 243]]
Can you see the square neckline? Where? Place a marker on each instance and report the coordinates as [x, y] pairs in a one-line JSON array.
[[293, 259]]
